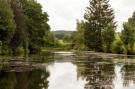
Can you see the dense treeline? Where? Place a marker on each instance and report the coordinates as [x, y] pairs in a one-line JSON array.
[[97, 32], [23, 27], [128, 35]]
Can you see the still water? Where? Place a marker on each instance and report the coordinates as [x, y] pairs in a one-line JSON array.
[[68, 70]]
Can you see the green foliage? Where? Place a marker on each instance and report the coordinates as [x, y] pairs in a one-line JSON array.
[[108, 36], [19, 51], [128, 35], [50, 40], [37, 26], [78, 37], [20, 32], [63, 39], [4, 50], [99, 20], [7, 24], [24, 29], [118, 47], [23, 26], [67, 38]]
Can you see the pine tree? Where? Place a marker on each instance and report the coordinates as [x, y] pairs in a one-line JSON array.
[[99, 18]]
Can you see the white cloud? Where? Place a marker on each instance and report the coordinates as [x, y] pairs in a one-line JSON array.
[[63, 13]]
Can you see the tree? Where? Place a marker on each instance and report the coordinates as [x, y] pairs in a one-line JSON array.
[[24, 25], [128, 34], [99, 18], [37, 26], [50, 40], [20, 32], [79, 35], [108, 36], [7, 24]]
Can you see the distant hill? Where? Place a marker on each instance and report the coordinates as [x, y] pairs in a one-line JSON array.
[[61, 33]]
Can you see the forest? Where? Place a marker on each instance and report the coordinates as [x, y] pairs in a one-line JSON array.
[[98, 31], [24, 29], [96, 54]]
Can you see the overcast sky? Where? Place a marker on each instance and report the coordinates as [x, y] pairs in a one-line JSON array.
[[63, 13]]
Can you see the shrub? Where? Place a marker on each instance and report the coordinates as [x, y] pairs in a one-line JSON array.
[[118, 47]]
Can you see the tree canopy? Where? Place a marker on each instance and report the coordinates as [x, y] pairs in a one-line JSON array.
[[99, 25]]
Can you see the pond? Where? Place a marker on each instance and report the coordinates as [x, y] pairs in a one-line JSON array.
[[69, 70]]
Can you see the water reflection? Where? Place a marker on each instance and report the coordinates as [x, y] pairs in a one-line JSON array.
[[98, 73], [35, 79], [71, 71], [128, 74], [64, 76]]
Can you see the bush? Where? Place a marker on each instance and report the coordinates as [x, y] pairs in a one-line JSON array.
[[19, 51], [4, 50], [80, 47], [118, 47], [34, 49]]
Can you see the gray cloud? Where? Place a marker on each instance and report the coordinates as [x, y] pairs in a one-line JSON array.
[[63, 13], [128, 2], [123, 10]]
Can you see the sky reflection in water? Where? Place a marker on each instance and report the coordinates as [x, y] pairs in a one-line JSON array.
[[64, 76], [77, 71]]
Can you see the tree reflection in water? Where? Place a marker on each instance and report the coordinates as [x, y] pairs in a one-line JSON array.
[[98, 73], [128, 74], [93, 72], [35, 79]]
